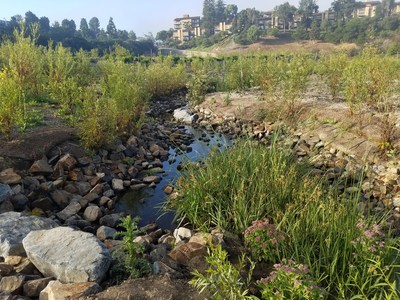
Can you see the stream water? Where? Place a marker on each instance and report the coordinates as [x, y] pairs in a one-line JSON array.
[[146, 203]]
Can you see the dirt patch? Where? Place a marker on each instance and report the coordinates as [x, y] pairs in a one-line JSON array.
[[36, 142], [271, 44]]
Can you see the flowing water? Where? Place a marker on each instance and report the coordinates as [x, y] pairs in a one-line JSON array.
[[147, 202]]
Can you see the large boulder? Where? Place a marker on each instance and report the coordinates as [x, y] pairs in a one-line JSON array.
[[67, 254], [14, 227], [184, 116]]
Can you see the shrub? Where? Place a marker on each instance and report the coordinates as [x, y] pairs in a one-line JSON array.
[[97, 126], [222, 280], [26, 60], [290, 280], [164, 77], [124, 95], [130, 252], [263, 240], [331, 69], [12, 102]]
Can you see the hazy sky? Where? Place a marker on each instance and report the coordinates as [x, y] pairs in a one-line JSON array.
[[141, 16]]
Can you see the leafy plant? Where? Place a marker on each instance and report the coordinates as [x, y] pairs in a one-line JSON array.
[[290, 280], [222, 280], [135, 266], [263, 240], [25, 59], [331, 70], [12, 102]]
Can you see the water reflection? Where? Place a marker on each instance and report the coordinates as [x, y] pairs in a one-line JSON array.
[[147, 202]]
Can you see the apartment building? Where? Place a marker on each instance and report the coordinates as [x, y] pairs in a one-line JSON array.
[[366, 9], [186, 28]]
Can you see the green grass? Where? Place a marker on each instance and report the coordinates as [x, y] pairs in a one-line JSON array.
[[238, 186], [322, 229]]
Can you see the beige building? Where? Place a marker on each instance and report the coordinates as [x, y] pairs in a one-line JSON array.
[[223, 26], [186, 28], [366, 9]]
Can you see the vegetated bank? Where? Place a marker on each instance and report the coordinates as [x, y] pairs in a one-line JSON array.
[[105, 98]]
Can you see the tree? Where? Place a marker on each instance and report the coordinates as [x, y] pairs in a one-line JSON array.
[[231, 11], [94, 27], [30, 18], [285, 12], [209, 18], [84, 28], [111, 29], [220, 11], [123, 34], [387, 7], [306, 9], [69, 26], [164, 35], [132, 35], [300, 33], [344, 9], [245, 19], [44, 23], [253, 33], [314, 33]]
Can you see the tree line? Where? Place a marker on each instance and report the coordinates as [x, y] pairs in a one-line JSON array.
[[298, 20], [88, 36]]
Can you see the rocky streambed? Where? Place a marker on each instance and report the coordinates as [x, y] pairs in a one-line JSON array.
[[59, 217]]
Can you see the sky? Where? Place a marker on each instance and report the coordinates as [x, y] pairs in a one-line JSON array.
[[141, 16]]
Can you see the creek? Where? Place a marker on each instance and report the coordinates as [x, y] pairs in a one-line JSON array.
[[146, 203]]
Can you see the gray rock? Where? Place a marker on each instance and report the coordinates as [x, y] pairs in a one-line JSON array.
[[144, 240], [104, 233], [31, 183], [90, 197], [83, 187], [183, 115], [152, 179], [68, 255], [61, 198], [33, 288], [19, 201], [45, 204], [182, 233], [13, 229], [41, 167], [5, 192], [92, 213], [69, 211], [109, 193], [56, 290], [6, 206], [139, 186], [111, 220], [117, 184]]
